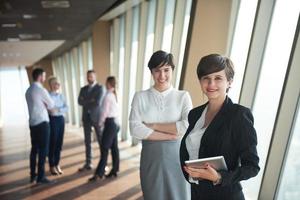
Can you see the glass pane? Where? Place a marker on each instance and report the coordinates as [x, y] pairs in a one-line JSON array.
[[121, 63], [149, 43], [240, 44], [90, 53], [12, 95], [290, 183], [168, 25], [133, 60], [183, 41], [271, 80]]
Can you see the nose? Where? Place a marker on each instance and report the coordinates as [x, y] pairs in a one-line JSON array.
[[161, 74], [211, 82]]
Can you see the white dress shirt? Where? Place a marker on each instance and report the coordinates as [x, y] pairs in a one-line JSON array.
[[152, 106], [193, 140], [38, 101], [110, 108], [59, 104]]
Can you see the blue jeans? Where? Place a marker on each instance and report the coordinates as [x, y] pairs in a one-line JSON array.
[[39, 147], [57, 129]]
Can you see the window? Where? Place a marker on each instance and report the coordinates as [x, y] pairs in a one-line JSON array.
[[290, 183], [271, 78], [240, 44]]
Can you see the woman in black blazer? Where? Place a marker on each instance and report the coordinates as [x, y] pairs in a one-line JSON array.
[[219, 128]]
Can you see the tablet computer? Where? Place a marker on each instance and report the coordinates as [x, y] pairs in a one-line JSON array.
[[218, 163]]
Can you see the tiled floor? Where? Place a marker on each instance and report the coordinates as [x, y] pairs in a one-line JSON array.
[[14, 170]]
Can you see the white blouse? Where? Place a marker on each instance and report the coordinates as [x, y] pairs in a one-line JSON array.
[[110, 108], [152, 106], [193, 140]]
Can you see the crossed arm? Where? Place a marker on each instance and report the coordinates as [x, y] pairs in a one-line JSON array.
[[162, 131]]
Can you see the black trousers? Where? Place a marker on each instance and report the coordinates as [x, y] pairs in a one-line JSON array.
[[109, 141], [57, 129], [39, 147], [208, 191]]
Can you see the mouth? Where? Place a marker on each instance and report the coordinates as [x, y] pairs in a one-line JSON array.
[[210, 90]]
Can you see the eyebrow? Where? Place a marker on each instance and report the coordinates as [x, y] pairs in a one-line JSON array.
[[206, 76]]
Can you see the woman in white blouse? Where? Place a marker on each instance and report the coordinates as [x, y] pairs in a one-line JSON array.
[[159, 118], [109, 120]]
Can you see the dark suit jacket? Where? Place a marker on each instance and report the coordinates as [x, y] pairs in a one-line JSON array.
[[230, 134], [91, 102]]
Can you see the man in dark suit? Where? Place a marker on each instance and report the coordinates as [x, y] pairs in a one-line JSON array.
[[90, 98]]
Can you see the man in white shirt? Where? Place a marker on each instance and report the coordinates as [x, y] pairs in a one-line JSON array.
[[38, 102]]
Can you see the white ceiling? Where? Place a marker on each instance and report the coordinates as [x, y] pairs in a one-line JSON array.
[[25, 53]]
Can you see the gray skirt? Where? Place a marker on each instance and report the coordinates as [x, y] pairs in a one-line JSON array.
[[160, 171]]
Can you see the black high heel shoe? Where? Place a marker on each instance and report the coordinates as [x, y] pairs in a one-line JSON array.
[[111, 174], [96, 177]]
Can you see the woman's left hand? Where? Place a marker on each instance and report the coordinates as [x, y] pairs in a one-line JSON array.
[[207, 173]]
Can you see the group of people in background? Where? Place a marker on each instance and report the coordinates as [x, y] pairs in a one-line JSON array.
[[47, 124], [163, 118]]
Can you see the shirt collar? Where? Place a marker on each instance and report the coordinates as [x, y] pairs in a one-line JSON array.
[[53, 93], [164, 93], [38, 84], [92, 84]]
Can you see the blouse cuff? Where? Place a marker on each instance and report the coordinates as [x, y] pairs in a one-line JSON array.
[[181, 127]]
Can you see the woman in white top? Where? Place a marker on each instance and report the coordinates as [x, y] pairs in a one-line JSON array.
[[109, 120], [159, 118]]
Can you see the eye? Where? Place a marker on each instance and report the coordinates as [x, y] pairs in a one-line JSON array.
[[219, 78], [167, 70]]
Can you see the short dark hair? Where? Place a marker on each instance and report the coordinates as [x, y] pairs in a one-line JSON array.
[[159, 59], [214, 63], [91, 71], [36, 73]]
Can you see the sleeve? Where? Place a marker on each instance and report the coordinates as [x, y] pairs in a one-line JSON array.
[[64, 107], [105, 108], [245, 134], [183, 124], [137, 128], [47, 99], [81, 100]]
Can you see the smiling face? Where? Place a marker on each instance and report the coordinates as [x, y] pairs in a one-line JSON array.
[[215, 85], [55, 85], [162, 77]]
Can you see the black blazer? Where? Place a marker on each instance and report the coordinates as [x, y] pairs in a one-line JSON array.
[[230, 134], [91, 102]]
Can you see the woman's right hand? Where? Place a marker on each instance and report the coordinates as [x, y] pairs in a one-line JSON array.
[[173, 137]]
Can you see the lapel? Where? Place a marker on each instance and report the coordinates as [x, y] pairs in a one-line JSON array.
[[215, 124], [92, 91], [197, 115]]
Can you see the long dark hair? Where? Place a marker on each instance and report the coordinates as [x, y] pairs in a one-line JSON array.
[[112, 81]]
